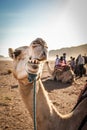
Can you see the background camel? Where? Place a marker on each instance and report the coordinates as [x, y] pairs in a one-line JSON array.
[[30, 58], [65, 75]]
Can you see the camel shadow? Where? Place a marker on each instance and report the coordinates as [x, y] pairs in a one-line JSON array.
[[52, 84]]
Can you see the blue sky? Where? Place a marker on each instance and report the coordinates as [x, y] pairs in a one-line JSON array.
[[61, 23]]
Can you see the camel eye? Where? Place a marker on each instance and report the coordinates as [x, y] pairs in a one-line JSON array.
[[35, 44]]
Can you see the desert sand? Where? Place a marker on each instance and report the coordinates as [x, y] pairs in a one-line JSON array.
[[13, 113]]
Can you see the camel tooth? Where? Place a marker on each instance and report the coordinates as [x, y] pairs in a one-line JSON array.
[[38, 62], [35, 61]]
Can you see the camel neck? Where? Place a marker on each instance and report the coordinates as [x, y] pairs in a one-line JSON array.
[[44, 109]]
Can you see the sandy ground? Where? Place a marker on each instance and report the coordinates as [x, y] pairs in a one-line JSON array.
[[14, 115]]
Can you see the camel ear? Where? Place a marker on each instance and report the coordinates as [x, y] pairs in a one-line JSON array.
[[17, 53], [11, 52]]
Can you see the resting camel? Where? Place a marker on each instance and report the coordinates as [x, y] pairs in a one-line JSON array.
[[30, 58], [65, 75]]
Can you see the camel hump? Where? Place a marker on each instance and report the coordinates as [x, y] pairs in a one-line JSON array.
[[82, 95]]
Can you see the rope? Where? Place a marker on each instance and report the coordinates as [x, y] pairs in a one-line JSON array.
[[31, 78]]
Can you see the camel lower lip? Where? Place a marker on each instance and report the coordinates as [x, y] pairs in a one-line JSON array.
[[32, 68]]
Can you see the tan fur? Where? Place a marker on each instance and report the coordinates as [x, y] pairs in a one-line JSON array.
[[48, 118]]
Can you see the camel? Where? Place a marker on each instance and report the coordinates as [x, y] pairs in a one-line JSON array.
[[30, 59], [65, 75]]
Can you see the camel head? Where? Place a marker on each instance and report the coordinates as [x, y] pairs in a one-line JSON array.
[[29, 58]]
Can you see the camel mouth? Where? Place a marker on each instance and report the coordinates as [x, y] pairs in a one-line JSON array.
[[33, 66]]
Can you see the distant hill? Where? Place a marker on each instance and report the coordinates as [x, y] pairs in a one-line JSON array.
[[70, 51], [4, 58], [1, 56]]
